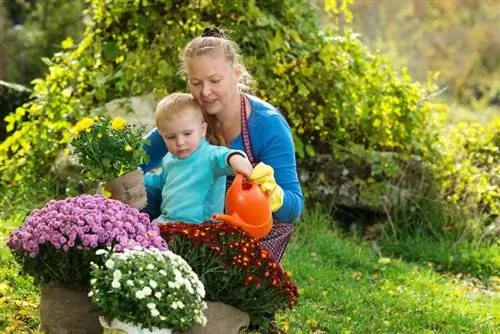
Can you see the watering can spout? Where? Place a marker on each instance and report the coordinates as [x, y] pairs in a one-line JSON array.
[[233, 219]]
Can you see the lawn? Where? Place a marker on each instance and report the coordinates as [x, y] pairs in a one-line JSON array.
[[346, 286]]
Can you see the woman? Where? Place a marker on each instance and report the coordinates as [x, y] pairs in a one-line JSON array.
[[215, 78]]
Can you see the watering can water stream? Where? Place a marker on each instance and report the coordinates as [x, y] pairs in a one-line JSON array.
[[248, 208]]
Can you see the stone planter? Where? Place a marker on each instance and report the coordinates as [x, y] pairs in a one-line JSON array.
[[222, 318]]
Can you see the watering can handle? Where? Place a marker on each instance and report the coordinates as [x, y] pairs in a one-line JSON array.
[[238, 181]]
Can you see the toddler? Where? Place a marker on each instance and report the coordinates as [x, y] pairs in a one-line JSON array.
[[193, 177]]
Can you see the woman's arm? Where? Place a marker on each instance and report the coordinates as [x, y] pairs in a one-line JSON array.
[[156, 149], [154, 146], [278, 151]]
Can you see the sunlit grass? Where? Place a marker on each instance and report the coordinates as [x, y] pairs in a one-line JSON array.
[[346, 288]]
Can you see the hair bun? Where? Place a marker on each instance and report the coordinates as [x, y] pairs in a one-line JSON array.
[[213, 32]]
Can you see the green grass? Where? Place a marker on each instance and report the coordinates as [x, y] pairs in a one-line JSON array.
[[19, 297], [467, 257], [345, 287]]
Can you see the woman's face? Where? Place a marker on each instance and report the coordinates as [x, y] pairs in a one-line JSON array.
[[213, 81]]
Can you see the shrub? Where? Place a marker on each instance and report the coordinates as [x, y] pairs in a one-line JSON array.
[[11, 97], [151, 289], [57, 243], [234, 268], [360, 96], [108, 148]]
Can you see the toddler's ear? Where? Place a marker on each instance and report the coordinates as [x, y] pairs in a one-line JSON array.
[[204, 129]]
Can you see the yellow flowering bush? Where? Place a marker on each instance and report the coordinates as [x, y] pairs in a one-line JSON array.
[[107, 148]]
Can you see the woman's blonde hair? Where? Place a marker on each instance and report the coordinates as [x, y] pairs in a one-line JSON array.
[[176, 105], [214, 40]]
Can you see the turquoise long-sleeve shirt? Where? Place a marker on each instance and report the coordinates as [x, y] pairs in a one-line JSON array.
[[272, 143], [193, 189]]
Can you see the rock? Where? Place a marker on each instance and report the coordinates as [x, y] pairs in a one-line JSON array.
[[135, 110], [349, 182]]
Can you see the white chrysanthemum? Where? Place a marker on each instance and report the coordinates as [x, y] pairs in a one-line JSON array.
[[158, 295], [150, 266], [151, 305], [153, 284], [91, 294], [163, 272], [100, 252], [92, 281], [139, 294], [200, 290], [110, 264], [147, 291], [173, 285], [115, 284], [130, 282], [117, 275], [155, 313]]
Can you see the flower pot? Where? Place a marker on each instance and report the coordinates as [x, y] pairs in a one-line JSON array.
[[66, 311], [120, 327], [221, 318], [129, 189]]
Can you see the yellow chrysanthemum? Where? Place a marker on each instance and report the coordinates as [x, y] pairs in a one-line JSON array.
[[99, 135], [105, 193], [83, 125], [118, 123], [128, 148]]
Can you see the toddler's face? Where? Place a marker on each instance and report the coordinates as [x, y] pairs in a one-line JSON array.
[[183, 135]]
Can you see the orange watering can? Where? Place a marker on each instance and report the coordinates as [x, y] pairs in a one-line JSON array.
[[247, 207]]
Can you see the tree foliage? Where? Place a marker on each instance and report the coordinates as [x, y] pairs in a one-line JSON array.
[[457, 38]]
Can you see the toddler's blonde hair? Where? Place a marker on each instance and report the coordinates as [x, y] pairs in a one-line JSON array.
[[176, 105]]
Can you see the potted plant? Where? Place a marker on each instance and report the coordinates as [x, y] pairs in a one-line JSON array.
[[235, 269], [57, 243], [110, 151], [147, 291]]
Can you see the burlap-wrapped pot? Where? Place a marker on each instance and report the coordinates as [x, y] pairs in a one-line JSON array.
[[129, 189], [222, 318], [66, 311]]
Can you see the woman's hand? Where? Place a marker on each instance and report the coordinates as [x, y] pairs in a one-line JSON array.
[[240, 165], [263, 176]]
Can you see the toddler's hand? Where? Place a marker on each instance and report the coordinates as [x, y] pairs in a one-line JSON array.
[[240, 165]]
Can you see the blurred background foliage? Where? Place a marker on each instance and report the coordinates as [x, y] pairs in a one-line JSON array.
[[376, 127], [458, 39]]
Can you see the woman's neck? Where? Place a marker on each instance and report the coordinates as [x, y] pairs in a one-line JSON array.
[[230, 120], [231, 117]]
